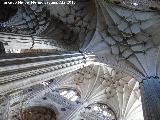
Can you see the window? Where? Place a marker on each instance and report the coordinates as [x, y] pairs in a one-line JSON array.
[[70, 94], [102, 111]]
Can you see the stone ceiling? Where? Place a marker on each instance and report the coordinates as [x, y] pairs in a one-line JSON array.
[[124, 37], [95, 84]]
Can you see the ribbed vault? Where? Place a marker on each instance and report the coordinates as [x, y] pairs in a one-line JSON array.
[[65, 26], [123, 36], [102, 84], [95, 84]]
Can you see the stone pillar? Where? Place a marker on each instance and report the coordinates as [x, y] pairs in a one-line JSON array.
[[27, 69], [150, 96]]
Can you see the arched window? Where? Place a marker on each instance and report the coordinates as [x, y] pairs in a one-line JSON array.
[[70, 94], [102, 111]]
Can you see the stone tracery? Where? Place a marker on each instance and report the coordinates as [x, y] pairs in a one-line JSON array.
[[123, 36]]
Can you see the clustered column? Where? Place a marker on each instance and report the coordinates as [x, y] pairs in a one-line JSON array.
[[150, 96]]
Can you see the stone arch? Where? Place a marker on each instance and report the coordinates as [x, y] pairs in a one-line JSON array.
[[44, 104], [109, 107], [38, 113]]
